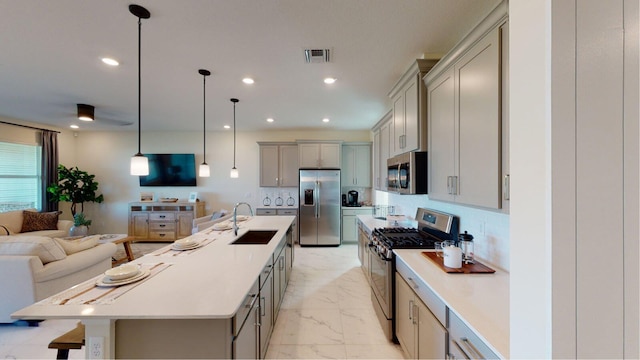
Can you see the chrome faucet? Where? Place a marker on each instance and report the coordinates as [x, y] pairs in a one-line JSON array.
[[235, 213]]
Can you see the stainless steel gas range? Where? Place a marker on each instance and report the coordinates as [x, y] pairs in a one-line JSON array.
[[433, 226]]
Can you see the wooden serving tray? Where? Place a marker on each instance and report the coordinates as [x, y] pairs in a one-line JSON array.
[[475, 268]]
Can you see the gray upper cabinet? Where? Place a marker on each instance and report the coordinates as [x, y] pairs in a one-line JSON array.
[[409, 116], [356, 165], [381, 151], [324, 155], [278, 164], [466, 124]]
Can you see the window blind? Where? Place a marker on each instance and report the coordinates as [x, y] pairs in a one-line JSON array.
[[19, 176]]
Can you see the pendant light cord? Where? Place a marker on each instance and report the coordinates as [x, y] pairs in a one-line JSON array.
[[139, 83], [234, 135], [204, 119]]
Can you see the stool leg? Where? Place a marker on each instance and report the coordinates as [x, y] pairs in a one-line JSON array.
[[63, 354]]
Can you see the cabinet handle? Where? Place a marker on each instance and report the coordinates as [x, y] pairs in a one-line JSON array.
[[162, 225], [162, 216], [505, 187], [416, 314], [277, 184], [454, 185], [413, 283], [448, 184], [411, 311], [262, 300], [258, 318], [469, 346]]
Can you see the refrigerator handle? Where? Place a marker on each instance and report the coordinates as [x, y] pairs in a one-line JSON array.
[[317, 198]]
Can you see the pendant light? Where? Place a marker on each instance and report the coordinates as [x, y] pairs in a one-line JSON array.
[[204, 171], [234, 172], [139, 162]]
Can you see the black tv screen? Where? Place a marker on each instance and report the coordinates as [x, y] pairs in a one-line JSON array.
[[170, 170]]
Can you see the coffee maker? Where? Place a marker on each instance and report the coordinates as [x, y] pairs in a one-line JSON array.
[[352, 198]]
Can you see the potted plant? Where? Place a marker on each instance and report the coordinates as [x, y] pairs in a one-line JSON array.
[[77, 187], [80, 225]]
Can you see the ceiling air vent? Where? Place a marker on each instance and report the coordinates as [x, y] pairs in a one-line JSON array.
[[317, 55]]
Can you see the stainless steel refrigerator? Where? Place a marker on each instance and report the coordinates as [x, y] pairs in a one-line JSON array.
[[319, 207]]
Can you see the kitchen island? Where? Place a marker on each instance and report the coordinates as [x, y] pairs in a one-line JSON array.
[[194, 308]]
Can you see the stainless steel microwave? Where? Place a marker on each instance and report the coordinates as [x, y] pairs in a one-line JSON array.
[[407, 173]]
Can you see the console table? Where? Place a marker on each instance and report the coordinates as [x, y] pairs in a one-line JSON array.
[[163, 221]]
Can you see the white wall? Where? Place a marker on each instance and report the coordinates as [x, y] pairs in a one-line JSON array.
[[574, 170], [107, 155]]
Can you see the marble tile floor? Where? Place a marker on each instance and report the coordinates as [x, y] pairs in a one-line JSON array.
[[326, 313]]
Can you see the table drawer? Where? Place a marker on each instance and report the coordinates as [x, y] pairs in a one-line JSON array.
[[162, 226], [161, 216], [162, 235]]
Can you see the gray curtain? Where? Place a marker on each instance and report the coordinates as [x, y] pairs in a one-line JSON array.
[[49, 141]]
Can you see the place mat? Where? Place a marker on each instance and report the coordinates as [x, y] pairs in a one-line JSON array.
[[475, 268], [88, 293], [168, 250]]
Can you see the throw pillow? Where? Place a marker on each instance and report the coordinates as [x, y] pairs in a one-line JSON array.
[[34, 221], [72, 246], [41, 246]]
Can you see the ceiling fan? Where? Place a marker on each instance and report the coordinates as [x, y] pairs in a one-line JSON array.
[[87, 113]]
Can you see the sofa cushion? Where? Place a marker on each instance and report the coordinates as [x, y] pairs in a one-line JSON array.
[[74, 245], [13, 220], [45, 248], [35, 221]]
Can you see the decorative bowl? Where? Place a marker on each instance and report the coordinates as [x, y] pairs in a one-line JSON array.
[[122, 272]]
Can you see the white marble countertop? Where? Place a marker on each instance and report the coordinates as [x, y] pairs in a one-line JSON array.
[[370, 222], [210, 283], [480, 300]]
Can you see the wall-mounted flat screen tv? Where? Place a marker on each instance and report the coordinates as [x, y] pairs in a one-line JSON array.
[[170, 170]]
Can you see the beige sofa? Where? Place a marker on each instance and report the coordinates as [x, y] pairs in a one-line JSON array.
[[13, 221], [35, 267], [205, 222]]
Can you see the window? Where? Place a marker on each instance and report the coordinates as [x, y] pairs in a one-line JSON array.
[[19, 176]]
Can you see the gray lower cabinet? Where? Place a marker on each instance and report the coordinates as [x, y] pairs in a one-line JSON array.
[[419, 332], [350, 222], [464, 343], [266, 309], [246, 329]]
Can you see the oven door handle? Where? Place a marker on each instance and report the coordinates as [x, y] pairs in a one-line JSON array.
[[382, 257]]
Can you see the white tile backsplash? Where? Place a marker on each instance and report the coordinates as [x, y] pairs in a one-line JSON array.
[[490, 229]]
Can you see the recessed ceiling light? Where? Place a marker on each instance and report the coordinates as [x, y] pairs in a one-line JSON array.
[[326, 120], [329, 80], [270, 120], [74, 126], [248, 81], [227, 127], [110, 61]]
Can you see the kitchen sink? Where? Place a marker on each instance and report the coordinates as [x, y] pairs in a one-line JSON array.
[[255, 237]]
